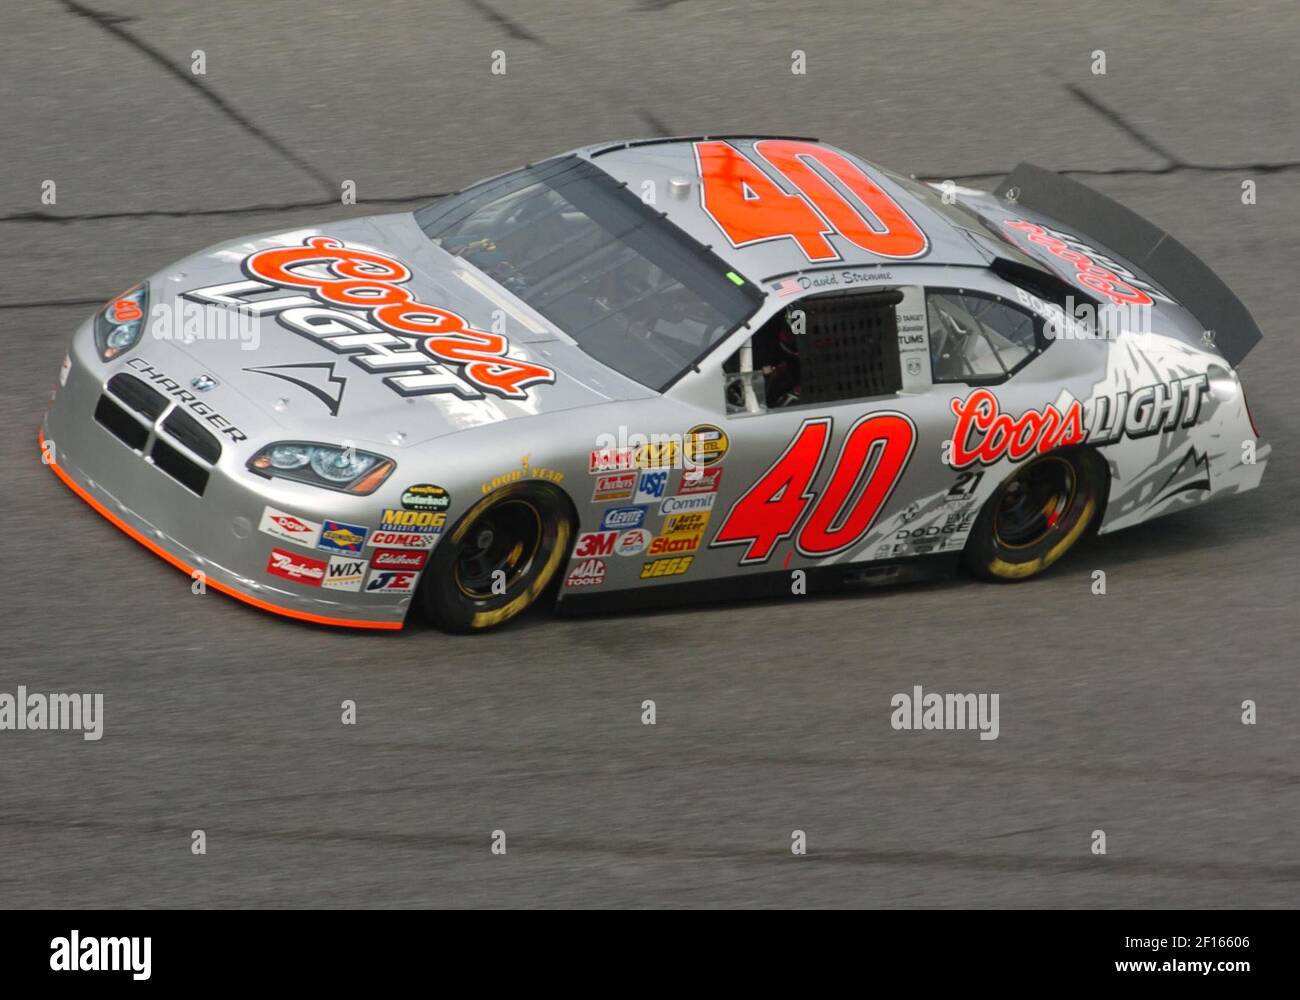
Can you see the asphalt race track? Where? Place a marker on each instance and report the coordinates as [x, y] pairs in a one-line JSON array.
[[1119, 712]]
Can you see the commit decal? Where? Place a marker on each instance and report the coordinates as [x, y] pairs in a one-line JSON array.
[[356, 302]]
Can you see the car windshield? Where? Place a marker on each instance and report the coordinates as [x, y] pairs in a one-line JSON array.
[[635, 292]]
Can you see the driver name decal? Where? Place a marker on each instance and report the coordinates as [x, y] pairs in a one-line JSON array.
[[357, 302]]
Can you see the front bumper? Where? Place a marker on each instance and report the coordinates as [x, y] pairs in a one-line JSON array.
[[215, 533]]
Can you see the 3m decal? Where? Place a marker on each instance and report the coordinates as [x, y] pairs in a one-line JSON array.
[[289, 527], [387, 581], [595, 543], [300, 569], [357, 302], [344, 573], [877, 447], [1093, 269], [750, 207], [589, 573], [335, 536], [398, 559]]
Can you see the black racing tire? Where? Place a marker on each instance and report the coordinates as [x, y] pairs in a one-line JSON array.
[[524, 531], [1037, 515]]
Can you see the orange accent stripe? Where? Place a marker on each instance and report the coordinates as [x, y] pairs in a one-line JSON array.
[[188, 570]]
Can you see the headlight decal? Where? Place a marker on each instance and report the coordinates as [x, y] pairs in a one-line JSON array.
[[119, 325]]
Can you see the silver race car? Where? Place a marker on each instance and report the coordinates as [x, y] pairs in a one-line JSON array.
[[658, 371]]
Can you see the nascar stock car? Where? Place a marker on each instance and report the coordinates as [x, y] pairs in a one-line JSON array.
[[656, 371]]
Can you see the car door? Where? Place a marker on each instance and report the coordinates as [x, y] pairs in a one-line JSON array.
[[832, 436]]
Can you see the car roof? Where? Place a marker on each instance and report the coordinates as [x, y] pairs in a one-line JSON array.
[[667, 170]]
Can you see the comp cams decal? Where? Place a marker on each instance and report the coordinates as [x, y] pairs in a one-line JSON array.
[[357, 302]]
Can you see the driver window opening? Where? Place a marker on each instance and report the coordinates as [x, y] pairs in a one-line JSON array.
[[821, 349]]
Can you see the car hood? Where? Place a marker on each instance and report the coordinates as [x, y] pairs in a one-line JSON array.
[[323, 366]]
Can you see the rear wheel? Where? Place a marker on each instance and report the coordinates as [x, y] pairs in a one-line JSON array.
[[1037, 515], [498, 559]]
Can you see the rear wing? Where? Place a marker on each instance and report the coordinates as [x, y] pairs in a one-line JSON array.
[[1170, 264]]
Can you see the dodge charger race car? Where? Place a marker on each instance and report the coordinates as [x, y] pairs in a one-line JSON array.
[[658, 371]]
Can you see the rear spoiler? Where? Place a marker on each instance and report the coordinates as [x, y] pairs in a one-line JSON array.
[[1170, 264]]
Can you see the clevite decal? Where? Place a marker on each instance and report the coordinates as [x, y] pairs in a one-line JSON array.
[[362, 306]]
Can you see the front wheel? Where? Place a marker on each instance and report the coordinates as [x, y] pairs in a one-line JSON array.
[[498, 559], [1036, 515]]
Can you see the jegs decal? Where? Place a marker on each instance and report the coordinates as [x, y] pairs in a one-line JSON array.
[[357, 302], [750, 207], [878, 445]]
